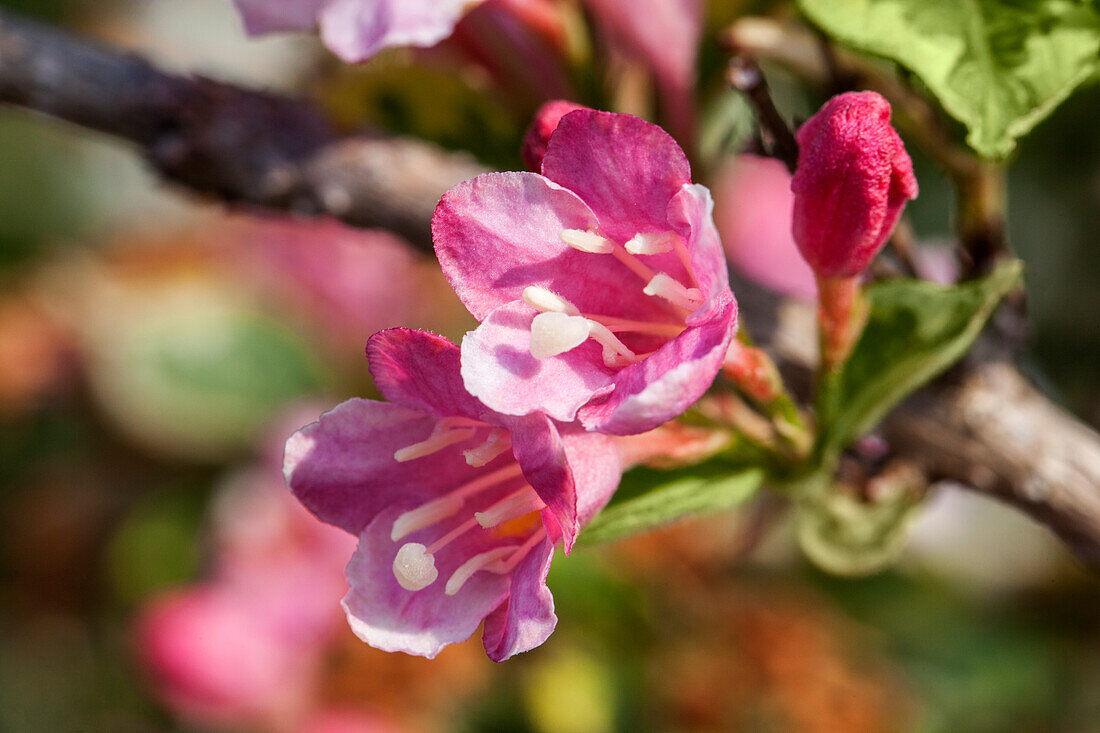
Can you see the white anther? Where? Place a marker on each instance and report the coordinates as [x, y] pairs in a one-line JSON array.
[[664, 286], [546, 301], [414, 567], [475, 563], [589, 241], [498, 441], [556, 333], [510, 507], [651, 243], [425, 516], [443, 435]]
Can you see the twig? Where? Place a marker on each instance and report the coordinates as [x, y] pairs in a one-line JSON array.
[[745, 76], [236, 144]]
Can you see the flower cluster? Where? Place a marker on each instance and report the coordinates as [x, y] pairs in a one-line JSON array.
[[605, 310]]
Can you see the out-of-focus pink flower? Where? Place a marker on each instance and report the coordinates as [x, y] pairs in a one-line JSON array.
[[355, 30], [852, 182], [664, 35], [437, 486], [753, 208], [600, 285], [350, 281], [338, 720], [538, 134]]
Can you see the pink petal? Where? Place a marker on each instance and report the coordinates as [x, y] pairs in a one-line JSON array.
[[266, 16], [539, 449], [355, 30], [423, 622], [662, 386], [624, 168], [526, 619], [500, 232], [691, 214], [498, 369], [597, 468], [542, 127], [342, 467], [420, 370]]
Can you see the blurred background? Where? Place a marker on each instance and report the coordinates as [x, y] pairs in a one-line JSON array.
[[156, 350]]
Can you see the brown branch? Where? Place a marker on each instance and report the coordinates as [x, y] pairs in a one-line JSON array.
[[236, 144], [989, 429], [745, 76]]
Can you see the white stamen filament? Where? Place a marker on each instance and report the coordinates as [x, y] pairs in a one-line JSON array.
[[454, 534], [664, 286], [651, 243], [587, 241], [506, 566], [444, 433], [513, 506], [627, 325], [498, 441], [615, 352], [425, 515], [544, 301], [438, 509], [554, 333], [639, 268], [467, 569], [414, 567]]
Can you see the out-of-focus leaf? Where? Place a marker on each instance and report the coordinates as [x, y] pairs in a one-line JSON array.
[[915, 331], [649, 498], [997, 66]]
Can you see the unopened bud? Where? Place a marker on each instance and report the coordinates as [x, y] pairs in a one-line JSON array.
[[852, 182], [538, 134]]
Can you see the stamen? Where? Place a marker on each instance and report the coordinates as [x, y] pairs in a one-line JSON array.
[[507, 566], [639, 268], [451, 536], [664, 286], [444, 433], [425, 515], [685, 257], [651, 243], [615, 352], [498, 441], [437, 509], [471, 566], [627, 325], [587, 241], [554, 333], [544, 300], [510, 507], [414, 567]]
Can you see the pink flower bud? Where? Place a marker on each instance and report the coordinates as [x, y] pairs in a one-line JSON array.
[[538, 134], [852, 182]]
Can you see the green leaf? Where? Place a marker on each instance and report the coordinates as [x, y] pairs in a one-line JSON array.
[[916, 330], [648, 497], [998, 66]]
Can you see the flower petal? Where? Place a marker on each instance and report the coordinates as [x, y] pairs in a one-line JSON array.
[[665, 384], [267, 16], [498, 369], [343, 470], [526, 619], [597, 468], [691, 214], [355, 30], [624, 168], [539, 449], [420, 370], [423, 622], [501, 232]]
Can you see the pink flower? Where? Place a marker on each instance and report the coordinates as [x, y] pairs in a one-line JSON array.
[[355, 30], [600, 285], [457, 508], [853, 180], [753, 205], [538, 134]]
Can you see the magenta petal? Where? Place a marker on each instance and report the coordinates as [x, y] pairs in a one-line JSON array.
[[691, 214], [355, 30], [659, 388], [539, 449], [597, 469], [526, 619], [342, 467], [624, 168], [420, 370], [498, 369], [423, 622]]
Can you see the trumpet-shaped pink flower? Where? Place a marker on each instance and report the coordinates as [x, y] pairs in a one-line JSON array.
[[458, 508], [355, 30], [600, 285]]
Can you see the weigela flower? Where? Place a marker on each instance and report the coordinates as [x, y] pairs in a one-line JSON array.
[[355, 30], [600, 284], [457, 508], [852, 182]]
